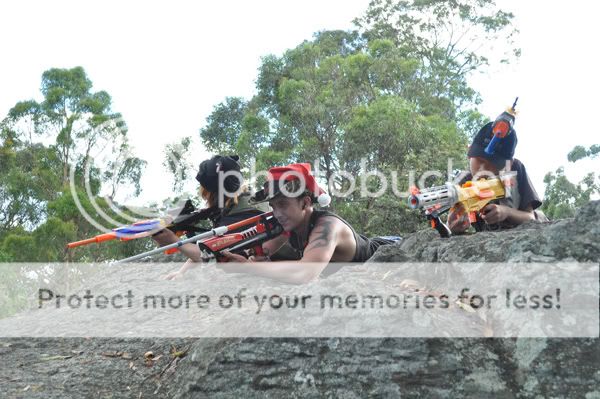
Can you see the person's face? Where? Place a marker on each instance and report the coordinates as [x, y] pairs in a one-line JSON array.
[[289, 212], [482, 167]]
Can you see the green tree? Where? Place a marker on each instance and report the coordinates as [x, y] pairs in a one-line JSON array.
[[29, 178], [38, 215], [80, 121], [562, 198], [389, 135], [580, 152], [177, 156], [452, 39], [391, 95], [224, 125]]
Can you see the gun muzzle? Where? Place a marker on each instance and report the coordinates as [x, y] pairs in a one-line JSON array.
[[441, 195]]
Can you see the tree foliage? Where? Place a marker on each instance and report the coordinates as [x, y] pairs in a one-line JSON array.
[[391, 96], [580, 152], [29, 178], [79, 122], [43, 143], [451, 39], [177, 156], [562, 198]]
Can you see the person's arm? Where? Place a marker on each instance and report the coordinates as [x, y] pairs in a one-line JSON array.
[[493, 213], [166, 237], [322, 243], [194, 254], [189, 264]]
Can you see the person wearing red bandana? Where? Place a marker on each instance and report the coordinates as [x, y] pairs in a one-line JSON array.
[[318, 236]]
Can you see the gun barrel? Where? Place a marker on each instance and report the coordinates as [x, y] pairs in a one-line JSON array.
[[97, 239], [441, 195], [491, 147], [214, 232]]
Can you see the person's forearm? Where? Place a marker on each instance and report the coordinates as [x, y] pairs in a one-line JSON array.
[[166, 237], [192, 251], [516, 216], [189, 264]]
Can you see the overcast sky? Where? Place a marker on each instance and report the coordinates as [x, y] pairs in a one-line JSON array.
[[166, 64]]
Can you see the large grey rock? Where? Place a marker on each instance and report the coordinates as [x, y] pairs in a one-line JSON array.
[[482, 368], [333, 367], [418, 367], [575, 239]]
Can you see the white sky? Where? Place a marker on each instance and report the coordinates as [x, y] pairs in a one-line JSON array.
[[166, 64]]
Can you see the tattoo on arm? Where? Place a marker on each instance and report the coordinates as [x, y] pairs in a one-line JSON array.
[[325, 235]]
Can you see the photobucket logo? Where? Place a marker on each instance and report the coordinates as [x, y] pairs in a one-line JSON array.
[[280, 185], [367, 183]]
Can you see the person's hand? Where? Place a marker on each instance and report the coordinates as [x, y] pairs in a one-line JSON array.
[[259, 258], [234, 265], [492, 213], [178, 275], [458, 219], [235, 257]]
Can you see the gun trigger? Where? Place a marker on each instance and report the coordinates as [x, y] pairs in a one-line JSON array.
[[467, 184], [171, 251], [433, 223]]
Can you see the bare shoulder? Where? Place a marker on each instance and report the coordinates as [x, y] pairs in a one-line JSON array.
[[328, 219], [330, 224], [339, 240], [325, 232]]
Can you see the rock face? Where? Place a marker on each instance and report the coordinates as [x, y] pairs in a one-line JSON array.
[[337, 367], [575, 239], [418, 367], [482, 368]]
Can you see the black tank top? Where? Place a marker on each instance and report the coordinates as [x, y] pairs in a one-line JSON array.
[[365, 247]]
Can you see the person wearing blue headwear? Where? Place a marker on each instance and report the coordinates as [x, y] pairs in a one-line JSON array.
[[502, 213]]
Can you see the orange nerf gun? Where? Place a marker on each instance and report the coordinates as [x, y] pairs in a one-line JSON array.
[[181, 221]]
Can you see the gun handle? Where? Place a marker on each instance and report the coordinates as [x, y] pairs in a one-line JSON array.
[[441, 227], [258, 250]]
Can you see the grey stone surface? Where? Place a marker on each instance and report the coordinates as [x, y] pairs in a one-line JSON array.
[[482, 368], [334, 367]]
